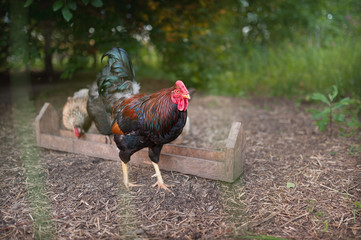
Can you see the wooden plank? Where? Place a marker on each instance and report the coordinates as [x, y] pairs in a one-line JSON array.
[[235, 146], [194, 166], [170, 162], [93, 137], [168, 148], [239, 153], [56, 142], [47, 121], [194, 152], [94, 149]]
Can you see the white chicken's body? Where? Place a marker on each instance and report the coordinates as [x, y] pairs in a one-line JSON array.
[[75, 113]]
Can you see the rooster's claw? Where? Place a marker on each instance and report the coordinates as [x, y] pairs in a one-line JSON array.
[[163, 186]]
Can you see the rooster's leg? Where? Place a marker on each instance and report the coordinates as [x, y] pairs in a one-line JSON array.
[[160, 183], [126, 178]]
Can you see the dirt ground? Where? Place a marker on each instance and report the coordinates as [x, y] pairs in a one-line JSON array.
[[88, 201]]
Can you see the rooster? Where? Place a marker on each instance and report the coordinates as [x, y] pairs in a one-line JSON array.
[[149, 121], [115, 82], [75, 115]]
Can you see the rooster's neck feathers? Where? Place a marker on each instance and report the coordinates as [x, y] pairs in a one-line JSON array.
[[159, 113], [156, 112]]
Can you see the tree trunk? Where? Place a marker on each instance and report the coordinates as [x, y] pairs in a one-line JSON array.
[[48, 63], [94, 59]]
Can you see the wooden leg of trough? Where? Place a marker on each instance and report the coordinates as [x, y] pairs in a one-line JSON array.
[[235, 147]]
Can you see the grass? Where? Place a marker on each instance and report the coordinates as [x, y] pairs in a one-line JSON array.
[[290, 69], [148, 64], [265, 237], [126, 211], [23, 115]]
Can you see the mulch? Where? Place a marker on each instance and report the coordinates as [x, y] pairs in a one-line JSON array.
[[88, 200]]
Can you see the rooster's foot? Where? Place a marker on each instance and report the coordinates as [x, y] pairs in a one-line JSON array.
[[160, 183], [164, 186]]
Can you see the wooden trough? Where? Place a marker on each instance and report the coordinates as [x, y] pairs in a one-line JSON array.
[[226, 165]]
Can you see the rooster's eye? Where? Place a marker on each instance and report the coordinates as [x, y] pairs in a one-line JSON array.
[[176, 91]]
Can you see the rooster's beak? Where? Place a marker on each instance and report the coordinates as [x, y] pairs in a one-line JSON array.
[[187, 96]]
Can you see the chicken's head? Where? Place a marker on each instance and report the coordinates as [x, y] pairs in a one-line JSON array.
[[78, 132], [180, 95]]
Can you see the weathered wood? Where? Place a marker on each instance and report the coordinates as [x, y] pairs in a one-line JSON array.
[[170, 162], [47, 121], [194, 152], [235, 144], [168, 148], [224, 165], [188, 165]]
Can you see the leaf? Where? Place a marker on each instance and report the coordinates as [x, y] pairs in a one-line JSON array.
[[28, 3], [66, 14], [97, 3], [340, 117], [342, 103], [320, 97], [72, 5], [290, 185], [334, 93], [320, 114], [57, 5], [86, 2], [326, 226], [322, 124], [353, 123]]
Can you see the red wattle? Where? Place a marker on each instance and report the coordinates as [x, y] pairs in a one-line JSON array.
[[181, 102]]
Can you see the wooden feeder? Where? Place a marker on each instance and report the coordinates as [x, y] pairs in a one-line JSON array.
[[226, 165]]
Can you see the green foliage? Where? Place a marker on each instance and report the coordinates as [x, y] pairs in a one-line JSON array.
[[37, 195], [357, 210], [240, 54], [95, 3], [66, 13], [28, 3], [67, 6], [325, 229], [57, 5], [358, 205], [334, 111], [234, 48], [75, 63], [354, 150]]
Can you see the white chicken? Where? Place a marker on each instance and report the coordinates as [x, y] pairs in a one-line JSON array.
[[75, 115]]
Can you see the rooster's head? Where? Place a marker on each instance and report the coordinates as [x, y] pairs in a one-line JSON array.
[[180, 95]]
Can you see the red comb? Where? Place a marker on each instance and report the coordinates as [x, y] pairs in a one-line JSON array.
[[181, 85]]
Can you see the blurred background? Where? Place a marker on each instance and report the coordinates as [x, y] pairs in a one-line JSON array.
[[235, 48]]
